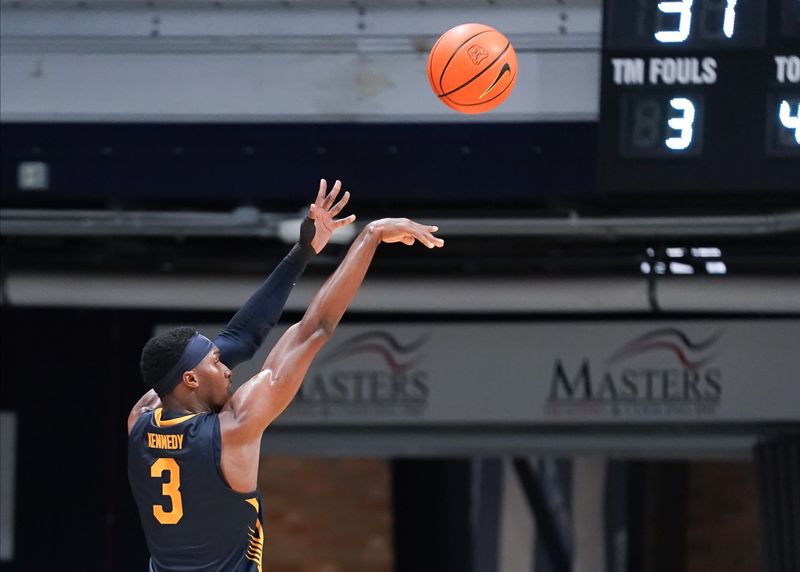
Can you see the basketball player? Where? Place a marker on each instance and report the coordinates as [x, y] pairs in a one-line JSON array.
[[193, 448]]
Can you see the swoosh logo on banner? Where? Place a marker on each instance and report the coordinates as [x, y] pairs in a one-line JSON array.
[[681, 347], [503, 71], [396, 355]]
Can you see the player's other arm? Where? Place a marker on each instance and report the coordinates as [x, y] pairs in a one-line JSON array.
[[148, 402], [261, 399], [249, 327]]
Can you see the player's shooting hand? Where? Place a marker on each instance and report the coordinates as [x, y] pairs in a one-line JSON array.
[[323, 211], [407, 232]]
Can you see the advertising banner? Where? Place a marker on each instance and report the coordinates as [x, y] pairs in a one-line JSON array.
[[557, 372]]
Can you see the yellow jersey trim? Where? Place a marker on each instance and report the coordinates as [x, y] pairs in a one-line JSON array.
[[255, 548], [169, 422]]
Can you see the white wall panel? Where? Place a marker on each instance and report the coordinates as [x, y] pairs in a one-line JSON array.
[[251, 64], [280, 87]]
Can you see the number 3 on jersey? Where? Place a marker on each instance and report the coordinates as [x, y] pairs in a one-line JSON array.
[[169, 489]]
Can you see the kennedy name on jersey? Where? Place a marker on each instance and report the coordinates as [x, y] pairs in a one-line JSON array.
[[159, 441]]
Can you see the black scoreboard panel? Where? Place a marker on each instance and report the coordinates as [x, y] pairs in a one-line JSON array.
[[700, 96]]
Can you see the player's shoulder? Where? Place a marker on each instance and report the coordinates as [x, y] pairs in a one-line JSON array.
[[139, 418]]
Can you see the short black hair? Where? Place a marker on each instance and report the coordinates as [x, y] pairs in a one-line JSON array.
[[163, 351]]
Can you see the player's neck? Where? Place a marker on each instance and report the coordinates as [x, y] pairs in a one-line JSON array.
[[174, 404]]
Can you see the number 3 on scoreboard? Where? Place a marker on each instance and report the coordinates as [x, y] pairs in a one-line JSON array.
[[683, 124], [169, 489]]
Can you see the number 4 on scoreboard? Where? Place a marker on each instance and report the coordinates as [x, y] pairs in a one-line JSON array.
[[788, 120], [783, 125]]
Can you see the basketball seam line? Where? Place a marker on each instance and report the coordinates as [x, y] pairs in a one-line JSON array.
[[477, 75], [444, 69], [510, 83]]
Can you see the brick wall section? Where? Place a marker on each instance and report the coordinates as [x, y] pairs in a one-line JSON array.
[[723, 531], [326, 515]]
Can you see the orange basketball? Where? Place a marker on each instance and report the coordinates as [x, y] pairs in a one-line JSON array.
[[472, 68]]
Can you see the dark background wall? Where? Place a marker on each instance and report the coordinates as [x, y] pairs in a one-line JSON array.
[[72, 377]]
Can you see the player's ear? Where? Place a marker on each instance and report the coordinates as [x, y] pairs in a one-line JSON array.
[[190, 380]]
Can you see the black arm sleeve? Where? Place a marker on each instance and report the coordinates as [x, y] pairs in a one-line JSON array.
[[248, 328]]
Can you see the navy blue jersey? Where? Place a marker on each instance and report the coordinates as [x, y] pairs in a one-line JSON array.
[[191, 518]]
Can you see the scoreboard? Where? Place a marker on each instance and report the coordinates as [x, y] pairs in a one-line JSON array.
[[700, 96]]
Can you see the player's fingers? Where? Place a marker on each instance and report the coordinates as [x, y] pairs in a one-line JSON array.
[[344, 221], [312, 211], [428, 231], [337, 208], [429, 240], [423, 234], [337, 186], [422, 238], [323, 186], [424, 227], [408, 240]]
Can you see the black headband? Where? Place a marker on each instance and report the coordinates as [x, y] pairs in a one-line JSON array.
[[197, 348]]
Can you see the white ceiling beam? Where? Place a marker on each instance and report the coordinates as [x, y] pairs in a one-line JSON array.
[[423, 295]]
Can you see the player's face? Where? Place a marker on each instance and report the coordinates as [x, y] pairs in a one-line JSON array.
[[215, 380]]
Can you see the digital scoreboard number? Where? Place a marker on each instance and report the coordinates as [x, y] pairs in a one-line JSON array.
[[661, 124], [685, 24], [700, 95]]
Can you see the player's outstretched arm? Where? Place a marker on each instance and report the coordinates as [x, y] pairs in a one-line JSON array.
[[261, 399], [249, 327]]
